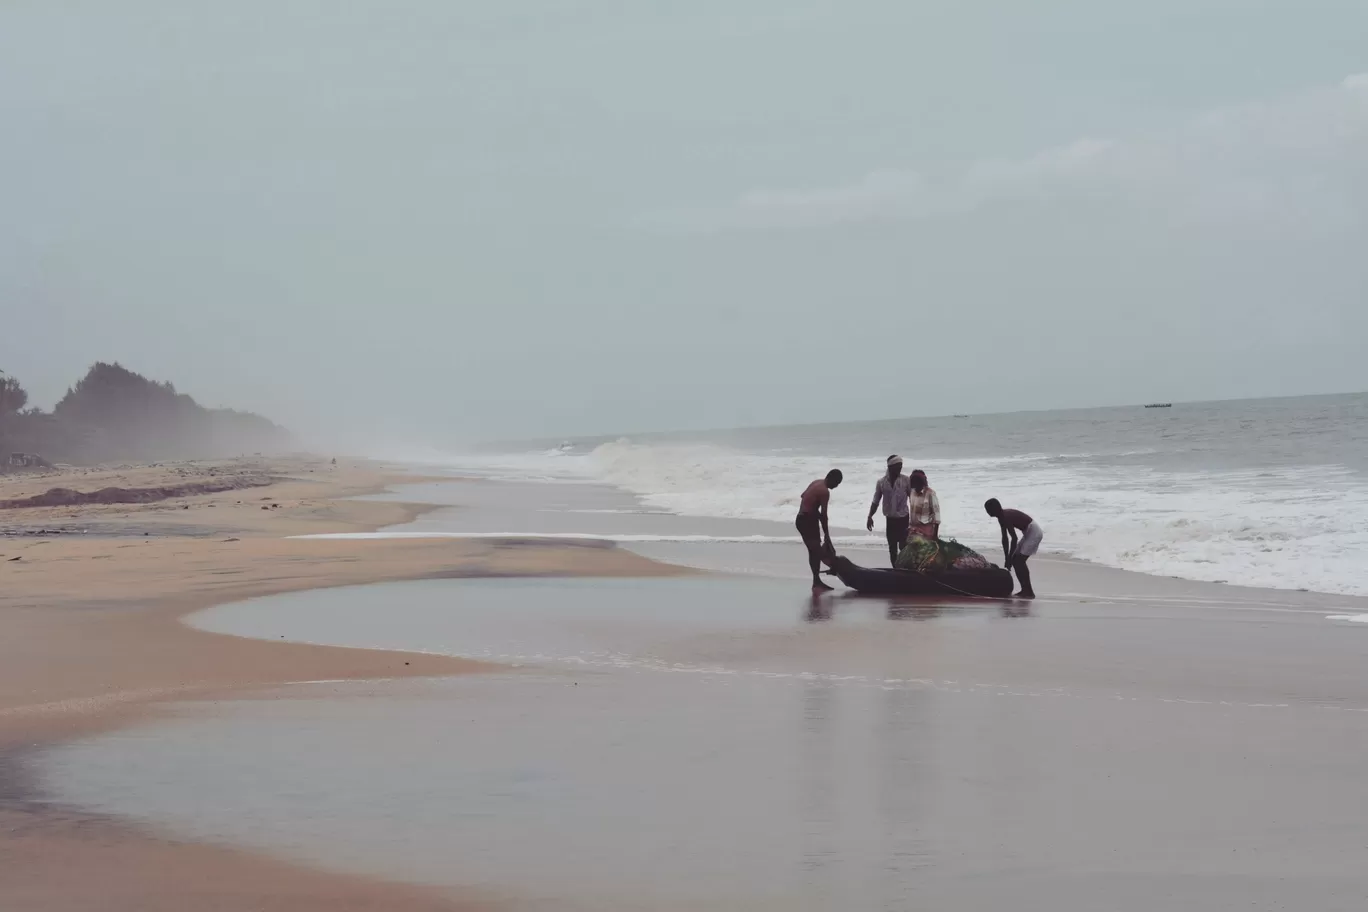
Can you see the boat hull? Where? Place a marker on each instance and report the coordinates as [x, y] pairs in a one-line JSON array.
[[991, 582]]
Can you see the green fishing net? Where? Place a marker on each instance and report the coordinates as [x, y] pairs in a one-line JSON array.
[[927, 555]]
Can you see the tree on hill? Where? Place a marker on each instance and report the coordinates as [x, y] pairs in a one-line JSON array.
[[113, 413], [22, 430], [110, 393], [13, 396]]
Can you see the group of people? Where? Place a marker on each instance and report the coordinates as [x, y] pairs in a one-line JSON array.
[[910, 508]]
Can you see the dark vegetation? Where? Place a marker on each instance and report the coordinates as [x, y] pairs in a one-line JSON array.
[[115, 415]]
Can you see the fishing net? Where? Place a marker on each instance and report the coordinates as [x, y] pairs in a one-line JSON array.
[[927, 555]]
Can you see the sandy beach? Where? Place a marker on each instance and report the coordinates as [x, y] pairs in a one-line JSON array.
[[681, 726], [90, 639]]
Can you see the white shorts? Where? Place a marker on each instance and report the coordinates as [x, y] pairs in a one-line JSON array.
[[1030, 540]]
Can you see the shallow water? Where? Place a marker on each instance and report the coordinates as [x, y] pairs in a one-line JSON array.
[[718, 743]]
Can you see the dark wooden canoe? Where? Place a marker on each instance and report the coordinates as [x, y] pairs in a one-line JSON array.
[[992, 582]]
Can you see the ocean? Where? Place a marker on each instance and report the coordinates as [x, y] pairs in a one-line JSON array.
[[1270, 493]]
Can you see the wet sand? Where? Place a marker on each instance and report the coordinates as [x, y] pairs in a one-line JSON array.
[[718, 743], [1125, 743], [90, 640]]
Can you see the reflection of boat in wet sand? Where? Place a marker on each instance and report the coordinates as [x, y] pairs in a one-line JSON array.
[[987, 582]]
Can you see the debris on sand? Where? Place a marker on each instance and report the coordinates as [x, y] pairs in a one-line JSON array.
[[67, 497]]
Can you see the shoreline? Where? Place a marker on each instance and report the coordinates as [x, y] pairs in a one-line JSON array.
[[694, 542], [872, 548], [712, 742], [92, 640]]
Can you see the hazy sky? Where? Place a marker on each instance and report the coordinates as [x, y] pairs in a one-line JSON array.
[[547, 218]]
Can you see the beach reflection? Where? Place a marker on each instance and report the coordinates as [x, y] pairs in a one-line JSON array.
[[819, 608], [912, 610], [825, 607], [732, 745]]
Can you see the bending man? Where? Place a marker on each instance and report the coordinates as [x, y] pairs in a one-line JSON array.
[[1017, 553], [812, 523]]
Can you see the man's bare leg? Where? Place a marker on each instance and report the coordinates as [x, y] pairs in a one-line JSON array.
[[815, 562], [1023, 577]]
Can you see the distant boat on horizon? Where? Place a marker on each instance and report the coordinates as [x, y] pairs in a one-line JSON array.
[[1160, 405]]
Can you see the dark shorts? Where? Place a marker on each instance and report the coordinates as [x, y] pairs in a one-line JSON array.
[[810, 527], [897, 527]]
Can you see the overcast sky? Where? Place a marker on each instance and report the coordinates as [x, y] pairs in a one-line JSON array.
[[447, 218]]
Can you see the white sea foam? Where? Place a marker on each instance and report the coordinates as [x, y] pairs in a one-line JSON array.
[[1292, 528], [1352, 618]]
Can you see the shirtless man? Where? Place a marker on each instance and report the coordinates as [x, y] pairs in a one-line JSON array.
[[1016, 553], [812, 523]]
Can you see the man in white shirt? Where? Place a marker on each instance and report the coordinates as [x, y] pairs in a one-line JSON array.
[[892, 489]]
